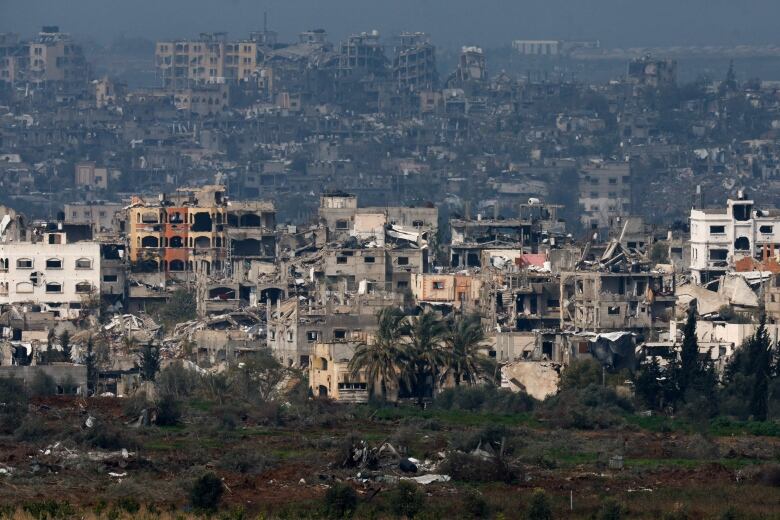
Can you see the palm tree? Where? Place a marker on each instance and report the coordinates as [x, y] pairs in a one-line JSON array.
[[424, 351], [464, 359], [382, 357]]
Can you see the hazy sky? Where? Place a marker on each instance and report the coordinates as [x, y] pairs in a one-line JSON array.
[[450, 22]]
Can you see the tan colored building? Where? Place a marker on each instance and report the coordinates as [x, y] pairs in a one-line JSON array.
[[90, 175], [329, 374], [209, 59], [459, 290]]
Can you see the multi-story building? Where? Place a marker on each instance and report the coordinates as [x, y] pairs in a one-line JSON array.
[[330, 375], [211, 58], [92, 176], [414, 64], [98, 214], [13, 57], [721, 237], [362, 54], [51, 57], [197, 231], [652, 72], [51, 275], [340, 214], [55, 57], [605, 193]]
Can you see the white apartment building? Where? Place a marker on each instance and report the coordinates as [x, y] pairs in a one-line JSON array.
[[720, 237], [51, 275]]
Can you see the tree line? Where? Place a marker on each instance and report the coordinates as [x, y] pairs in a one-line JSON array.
[[748, 386], [413, 355]]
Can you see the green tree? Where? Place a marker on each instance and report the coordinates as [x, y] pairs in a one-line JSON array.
[[91, 363], [689, 355], [206, 492], [539, 508], [760, 360], [581, 374], [382, 357], [425, 355], [65, 345], [649, 386], [149, 362], [463, 358]]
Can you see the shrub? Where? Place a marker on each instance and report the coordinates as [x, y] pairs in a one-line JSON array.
[[105, 436], [471, 468], [128, 504], [769, 475], [340, 501], [580, 374], [177, 380], [246, 461], [406, 499], [610, 510], [488, 436], [168, 411], [475, 505], [484, 399], [588, 409], [539, 508], [49, 509], [31, 429], [43, 384], [13, 404], [206, 492], [134, 405]]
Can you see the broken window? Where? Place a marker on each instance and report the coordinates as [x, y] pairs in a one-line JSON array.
[[250, 220], [369, 259], [24, 263], [613, 310], [438, 285], [339, 334], [719, 254], [766, 230], [342, 224], [403, 260], [176, 265], [201, 222], [341, 259], [311, 336], [418, 223], [403, 284], [110, 278], [83, 288], [149, 217], [742, 244], [176, 241], [717, 230], [150, 241]]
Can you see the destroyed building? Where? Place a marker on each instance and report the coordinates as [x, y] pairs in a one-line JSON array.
[[537, 226], [330, 375], [722, 237], [198, 231]]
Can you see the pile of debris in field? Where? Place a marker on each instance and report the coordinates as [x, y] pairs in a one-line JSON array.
[[241, 329], [142, 328], [386, 464]]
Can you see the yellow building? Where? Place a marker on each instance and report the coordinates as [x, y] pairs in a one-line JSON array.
[[329, 374], [210, 59]]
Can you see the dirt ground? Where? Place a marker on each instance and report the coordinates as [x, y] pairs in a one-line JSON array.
[[284, 470]]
